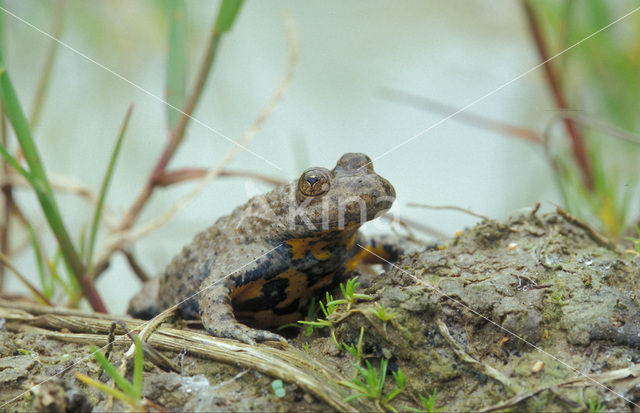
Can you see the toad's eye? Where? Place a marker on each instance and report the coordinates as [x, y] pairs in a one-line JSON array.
[[314, 182]]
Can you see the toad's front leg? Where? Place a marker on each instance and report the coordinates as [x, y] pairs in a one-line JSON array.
[[216, 310]]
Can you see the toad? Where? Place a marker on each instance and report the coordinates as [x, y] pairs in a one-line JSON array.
[[256, 268]]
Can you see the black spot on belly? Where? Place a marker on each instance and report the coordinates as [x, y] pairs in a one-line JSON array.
[[190, 309], [273, 292], [266, 268]]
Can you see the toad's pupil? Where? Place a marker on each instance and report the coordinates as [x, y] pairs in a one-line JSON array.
[[312, 179]]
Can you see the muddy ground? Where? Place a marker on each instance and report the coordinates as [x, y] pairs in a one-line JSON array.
[[533, 314]]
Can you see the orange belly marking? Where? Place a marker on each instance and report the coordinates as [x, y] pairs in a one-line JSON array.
[[248, 291], [297, 287]]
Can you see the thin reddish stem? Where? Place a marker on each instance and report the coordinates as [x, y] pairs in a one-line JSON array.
[[578, 145]]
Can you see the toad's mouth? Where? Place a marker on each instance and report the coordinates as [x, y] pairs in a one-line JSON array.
[[337, 220]]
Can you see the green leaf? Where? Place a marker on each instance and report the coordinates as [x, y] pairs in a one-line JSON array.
[[16, 165], [82, 240], [4, 260], [55, 276], [45, 283], [73, 281], [103, 190], [354, 396], [123, 383], [335, 303], [45, 76], [39, 180], [106, 389], [227, 14], [177, 62], [21, 126]]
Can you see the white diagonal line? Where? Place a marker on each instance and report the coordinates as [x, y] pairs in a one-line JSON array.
[[140, 327], [140, 88], [494, 91], [506, 330]]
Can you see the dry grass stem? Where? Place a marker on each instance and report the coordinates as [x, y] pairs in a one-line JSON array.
[[66, 184], [451, 207], [509, 385], [183, 175], [121, 239], [593, 234], [288, 364]]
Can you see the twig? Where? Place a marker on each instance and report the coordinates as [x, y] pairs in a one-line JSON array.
[[594, 122], [514, 401], [509, 385], [67, 184], [150, 354], [288, 364], [135, 266], [122, 238], [593, 234], [585, 120], [452, 207], [466, 117], [4, 260], [47, 68], [7, 196], [182, 175], [406, 222], [36, 309], [147, 330], [629, 376], [176, 136], [19, 246], [123, 232], [575, 135], [534, 211]]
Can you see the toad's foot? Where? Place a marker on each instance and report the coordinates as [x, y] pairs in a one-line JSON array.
[[242, 333]]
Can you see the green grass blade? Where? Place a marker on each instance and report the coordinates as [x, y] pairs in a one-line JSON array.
[[103, 191], [82, 240], [41, 184], [353, 397], [55, 277], [138, 366], [47, 68], [15, 164], [355, 385], [73, 282], [123, 383], [227, 14], [4, 260], [177, 62], [106, 389], [21, 126], [383, 369], [45, 283]]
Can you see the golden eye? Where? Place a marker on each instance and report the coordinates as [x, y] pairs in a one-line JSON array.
[[314, 182]]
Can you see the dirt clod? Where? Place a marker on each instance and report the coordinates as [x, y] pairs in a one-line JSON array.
[[532, 314]]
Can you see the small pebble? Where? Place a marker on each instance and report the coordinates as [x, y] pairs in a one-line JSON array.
[[537, 366]]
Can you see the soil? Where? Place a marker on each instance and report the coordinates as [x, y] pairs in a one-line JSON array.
[[534, 314]]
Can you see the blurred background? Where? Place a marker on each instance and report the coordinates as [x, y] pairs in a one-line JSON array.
[[362, 68]]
